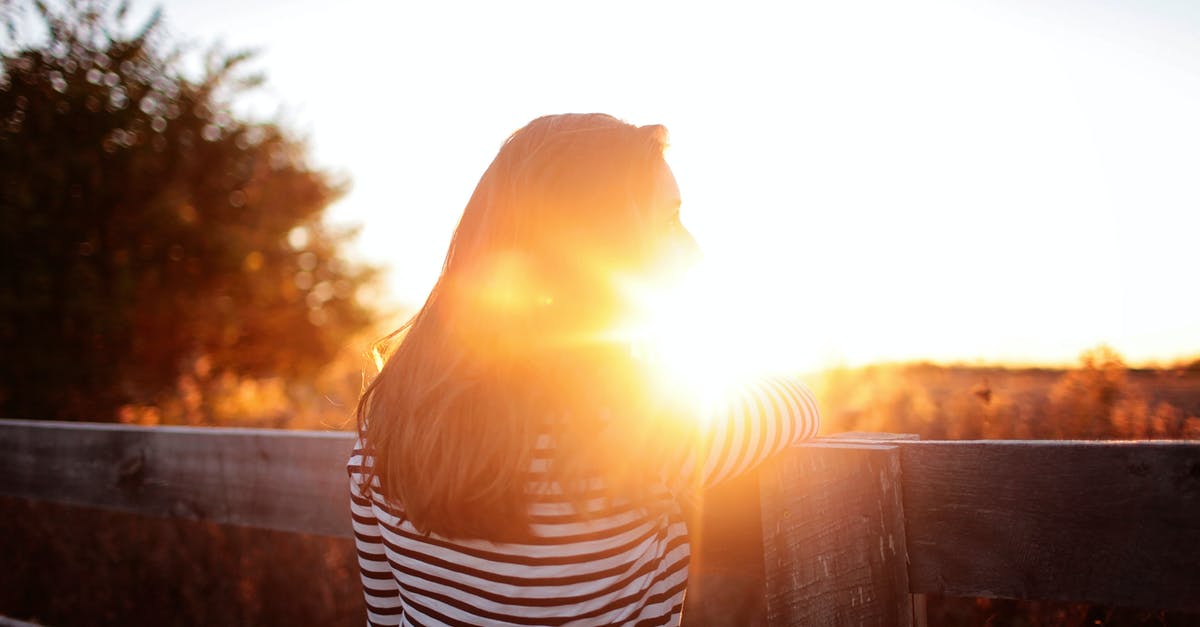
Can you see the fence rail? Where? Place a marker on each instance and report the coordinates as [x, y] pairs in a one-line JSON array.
[[851, 527], [272, 479]]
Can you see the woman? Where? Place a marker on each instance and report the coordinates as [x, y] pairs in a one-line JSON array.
[[519, 462]]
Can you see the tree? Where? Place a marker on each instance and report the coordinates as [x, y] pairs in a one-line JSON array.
[[144, 226]]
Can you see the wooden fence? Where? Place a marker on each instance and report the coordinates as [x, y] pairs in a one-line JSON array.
[[845, 530]]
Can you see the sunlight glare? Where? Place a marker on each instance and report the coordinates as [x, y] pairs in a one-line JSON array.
[[688, 331]]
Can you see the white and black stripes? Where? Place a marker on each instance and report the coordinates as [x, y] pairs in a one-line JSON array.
[[616, 566]]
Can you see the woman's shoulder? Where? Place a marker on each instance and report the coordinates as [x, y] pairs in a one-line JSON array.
[[360, 465], [361, 452]]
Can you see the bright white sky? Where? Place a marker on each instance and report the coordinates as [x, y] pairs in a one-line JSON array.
[[954, 180]]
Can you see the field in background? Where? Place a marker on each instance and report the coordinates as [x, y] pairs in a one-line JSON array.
[[1100, 399]]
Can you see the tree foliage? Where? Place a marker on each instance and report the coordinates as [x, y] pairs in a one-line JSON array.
[[144, 226]]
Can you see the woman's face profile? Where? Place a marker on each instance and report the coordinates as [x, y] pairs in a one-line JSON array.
[[677, 249]]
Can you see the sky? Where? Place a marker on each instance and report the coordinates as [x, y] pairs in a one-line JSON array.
[[960, 181]]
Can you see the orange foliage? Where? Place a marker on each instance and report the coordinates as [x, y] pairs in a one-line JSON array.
[[1102, 398], [204, 397]]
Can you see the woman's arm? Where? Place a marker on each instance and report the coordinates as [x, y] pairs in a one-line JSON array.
[[384, 606], [751, 424]]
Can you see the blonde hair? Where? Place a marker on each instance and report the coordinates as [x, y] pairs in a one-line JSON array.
[[511, 343]]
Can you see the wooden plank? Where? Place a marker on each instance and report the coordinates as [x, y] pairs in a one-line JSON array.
[[12, 622], [920, 615], [833, 534], [874, 438], [284, 480], [1105, 522], [725, 577], [726, 584]]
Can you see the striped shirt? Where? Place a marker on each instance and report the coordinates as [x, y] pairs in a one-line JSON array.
[[618, 566]]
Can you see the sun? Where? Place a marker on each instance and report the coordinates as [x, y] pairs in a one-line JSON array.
[[694, 333]]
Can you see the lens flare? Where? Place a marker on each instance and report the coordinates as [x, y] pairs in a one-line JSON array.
[[687, 330]]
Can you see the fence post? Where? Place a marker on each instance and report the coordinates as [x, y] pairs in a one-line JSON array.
[[833, 536]]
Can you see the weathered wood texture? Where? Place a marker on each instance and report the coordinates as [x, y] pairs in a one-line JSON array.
[[12, 622], [833, 535], [725, 583], [295, 481], [1116, 523], [283, 480]]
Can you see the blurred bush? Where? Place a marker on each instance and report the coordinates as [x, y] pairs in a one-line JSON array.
[[1101, 398], [148, 236]]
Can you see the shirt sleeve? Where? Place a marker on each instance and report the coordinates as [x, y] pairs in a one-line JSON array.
[[382, 592], [749, 425]]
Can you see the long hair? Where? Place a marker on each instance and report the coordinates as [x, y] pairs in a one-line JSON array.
[[513, 343]]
